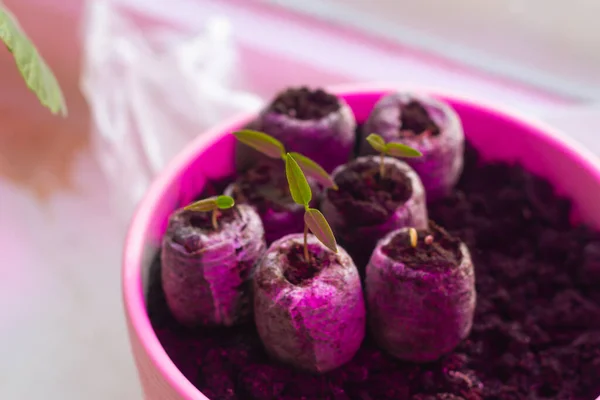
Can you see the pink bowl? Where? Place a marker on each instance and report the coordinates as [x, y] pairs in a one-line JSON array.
[[499, 135]]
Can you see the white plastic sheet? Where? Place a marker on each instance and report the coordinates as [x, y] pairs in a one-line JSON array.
[[152, 87]]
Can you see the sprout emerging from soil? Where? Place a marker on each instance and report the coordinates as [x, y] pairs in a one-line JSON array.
[[368, 205], [296, 166], [412, 234], [209, 253], [308, 302], [213, 205], [265, 186], [313, 219], [390, 149], [273, 148], [424, 123], [420, 288]]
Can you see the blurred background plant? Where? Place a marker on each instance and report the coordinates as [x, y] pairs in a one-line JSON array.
[[37, 74]]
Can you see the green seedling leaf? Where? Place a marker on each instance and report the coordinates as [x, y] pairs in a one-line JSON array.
[[37, 74], [318, 225], [204, 205], [377, 142], [299, 188], [314, 170], [225, 202], [262, 142], [401, 150]]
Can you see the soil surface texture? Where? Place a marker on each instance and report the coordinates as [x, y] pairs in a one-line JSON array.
[[365, 198], [300, 271], [305, 104], [415, 118], [265, 187], [434, 249]]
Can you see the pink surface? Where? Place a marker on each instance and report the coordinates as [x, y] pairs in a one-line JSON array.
[[497, 134], [358, 36]]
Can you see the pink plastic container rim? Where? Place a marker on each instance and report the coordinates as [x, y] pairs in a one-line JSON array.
[[133, 293]]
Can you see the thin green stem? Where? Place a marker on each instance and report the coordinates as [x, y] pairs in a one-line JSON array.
[[215, 214], [306, 255], [382, 165]]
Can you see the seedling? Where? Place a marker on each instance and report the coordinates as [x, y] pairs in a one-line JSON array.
[[393, 149], [412, 234], [302, 195], [212, 204], [273, 148]]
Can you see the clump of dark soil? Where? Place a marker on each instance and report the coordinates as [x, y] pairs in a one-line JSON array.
[[203, 220], [435, 249], [536, 333], [415, 118], [265, 187], [305, 104], [364, 198], [193, 222], [299, 270]]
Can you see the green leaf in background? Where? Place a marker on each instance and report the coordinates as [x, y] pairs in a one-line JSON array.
[[262, 142], [299, 188], [318, 225], [204, 205], [401, 150], [225, 202], [376, 142], [314, 170], [37, 74]]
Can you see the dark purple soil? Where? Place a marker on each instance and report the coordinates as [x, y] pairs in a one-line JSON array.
[[436, 249], [305, 104], [414, 117], [364, 198], [299, 271], [203, 220], [537, 325], [265, 187]]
